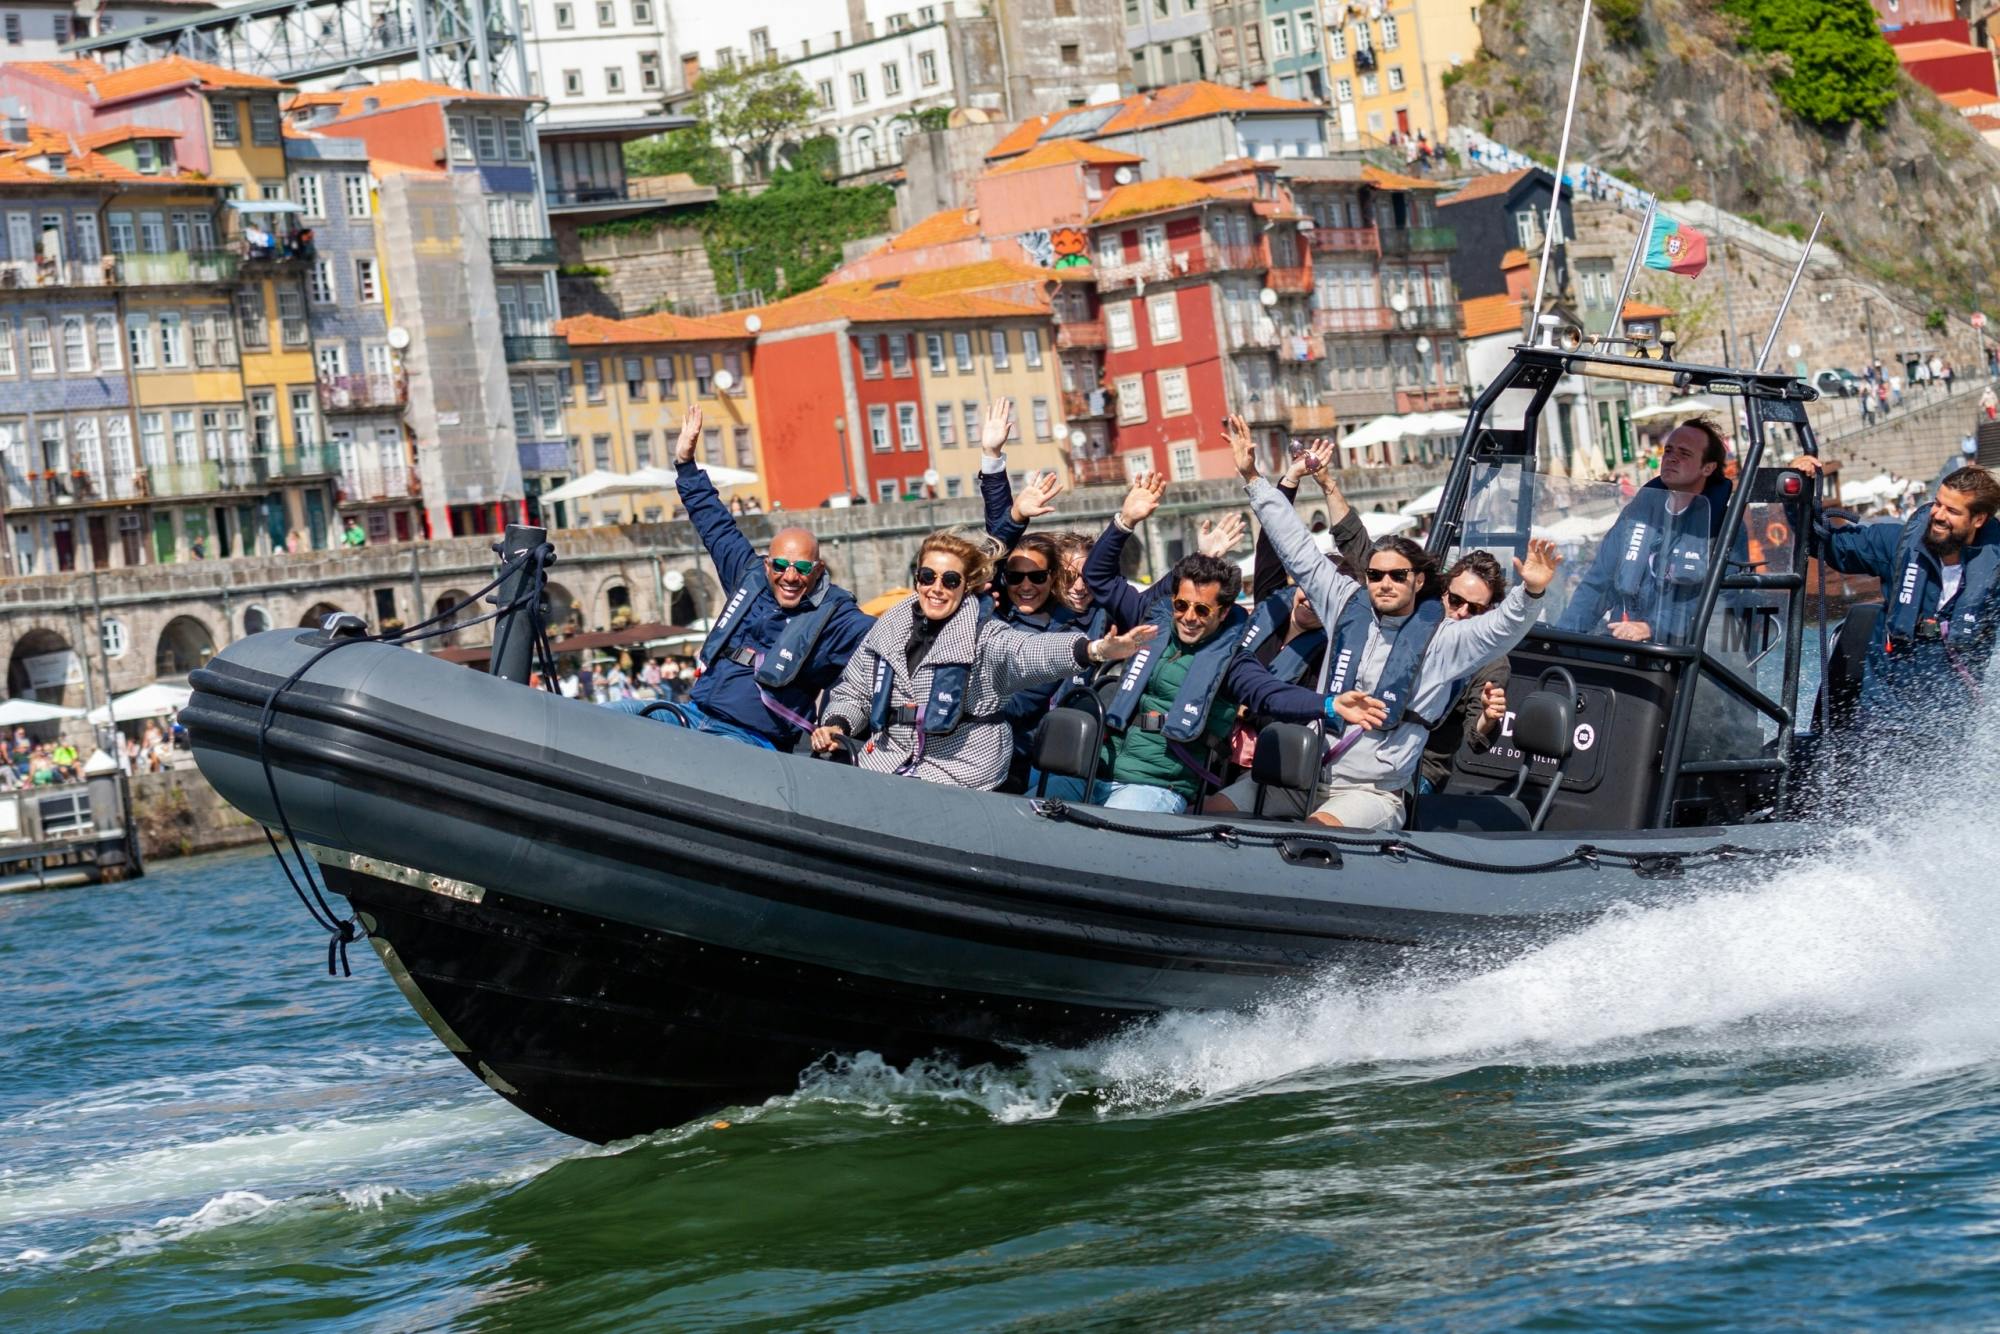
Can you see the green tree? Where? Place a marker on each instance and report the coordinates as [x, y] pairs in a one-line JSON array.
[[749, 108], [796, 228], [690, 151], [1836, 67]]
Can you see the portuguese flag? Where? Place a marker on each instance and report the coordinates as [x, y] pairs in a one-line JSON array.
[[1676, 247]]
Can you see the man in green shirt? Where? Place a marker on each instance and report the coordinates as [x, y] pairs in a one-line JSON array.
[[354, 536]]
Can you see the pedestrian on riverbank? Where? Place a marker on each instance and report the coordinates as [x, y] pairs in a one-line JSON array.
[[1867, 404], [1989, 404]]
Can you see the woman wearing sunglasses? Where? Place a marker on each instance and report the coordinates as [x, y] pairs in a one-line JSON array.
[[1473, 586], [929, 682]]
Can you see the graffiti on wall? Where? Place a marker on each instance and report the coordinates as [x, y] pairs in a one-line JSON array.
[[1055, 247]]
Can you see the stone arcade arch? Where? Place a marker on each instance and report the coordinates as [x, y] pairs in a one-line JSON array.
[[452, 598], [37, 670], [185, 644], [317, 613]]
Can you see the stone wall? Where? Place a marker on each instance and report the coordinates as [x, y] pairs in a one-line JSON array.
[[1913, 443], [179, 814], [648, 271]]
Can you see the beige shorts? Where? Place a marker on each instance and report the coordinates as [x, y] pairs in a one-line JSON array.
[[1359, 806]]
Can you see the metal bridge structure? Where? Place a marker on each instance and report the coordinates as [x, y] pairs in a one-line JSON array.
[[471, 44]]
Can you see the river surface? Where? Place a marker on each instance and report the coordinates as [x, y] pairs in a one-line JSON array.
[[1775, 1104]]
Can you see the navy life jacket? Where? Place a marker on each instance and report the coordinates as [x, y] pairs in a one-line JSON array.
[[1398, 683], [1290, 662], [1199, 687], [1980, 564], [795, 643], [1680, 562], [944, 711]]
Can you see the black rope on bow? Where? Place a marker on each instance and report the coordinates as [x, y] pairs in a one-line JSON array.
[[342, 931], [1650, 865]]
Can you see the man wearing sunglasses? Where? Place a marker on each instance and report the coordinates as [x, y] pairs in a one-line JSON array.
[[1178, 698], [785, 631], [1398, 648]]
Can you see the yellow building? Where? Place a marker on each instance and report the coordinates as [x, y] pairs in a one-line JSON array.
[[1386, 63], [963, 365], [631, 384]]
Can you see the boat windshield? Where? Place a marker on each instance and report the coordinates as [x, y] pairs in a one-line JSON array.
[[1633, 559]]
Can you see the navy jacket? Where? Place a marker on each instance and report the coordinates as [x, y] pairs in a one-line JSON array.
[[1249, 682], [1916, 679], [1666, 604], [998, 493], [727, 689]]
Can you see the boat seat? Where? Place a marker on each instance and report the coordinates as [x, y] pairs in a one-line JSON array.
[[1288, 756], [1544, 727], [1066, 745]]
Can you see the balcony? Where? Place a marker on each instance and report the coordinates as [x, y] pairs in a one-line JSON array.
[[1299, 348], [183, 479], [1314, 417], [1233, 255], [1444, 318], [1436, 398], [1261, 406], [588, 194], [37, 490], [1345, 240], [1417, 240], [1150, 269], [1250, 337], [1081, 405], [524, 250], [384, 482], [18, 274], [1097, 472], [318, 459], [363, 393], [1073, 334], [534, 347], [1354, 319], [1290, 281], [175, 267]]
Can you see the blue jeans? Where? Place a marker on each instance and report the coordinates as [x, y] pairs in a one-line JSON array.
[[701, 721], [1112, 796]]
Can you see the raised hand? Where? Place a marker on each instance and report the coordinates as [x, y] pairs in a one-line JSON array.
[[1117, 648], [690, 436], [1219, 539], [1296, 468], [1038, 496], [1358, 708], [999, 427], [1539, 570], [1318, 456], [1142, 499], [1242, 447]]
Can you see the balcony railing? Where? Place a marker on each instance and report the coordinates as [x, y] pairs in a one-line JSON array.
[[1417, 240], [1345, 240], [1300, 348], [183, 479], [1151, 269], [21, 273], [1292, 281], [1097, 472], [388, 482], [1354, 319], [588, 194], [534, 347], [308, 460], [1236, 255], [176, 266], [1260, 405], [524, 250], [1079, 333], [362, 393], [1080, 404], [1314, 417], [1248, 337], [1431, 317]]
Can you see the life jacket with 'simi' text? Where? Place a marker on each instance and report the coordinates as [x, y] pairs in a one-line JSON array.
[[782, 664], [1292, 660], [1981, 568], [1196, 696], [1399, 680]]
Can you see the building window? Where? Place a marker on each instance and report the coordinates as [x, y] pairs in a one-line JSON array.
[[1281, 35], [825, 90], [13, 29], [593, 381], [204, 341], [366, 289], [292, 317], [927, 75], [892, 79], [1180, 459], [704, 375], [649, 70], [870, 348], [1069, 53], [961, 347], [1343, 90], [885, 492], [642, 449], [565, 16], [514, 134], [1390, 37], [1308, 32], [947, 432], [1131, 399], [76, 344], [1336, 44], [663, 371], [319, 282], [746, 451], [614, 79], [223, 115], [899, 354], [969, 414], [878, 428], [138, 341], [1370, 85], [906, 426], [1110, 250], [1174, 393], [607, 14], [354, 196], [573, 82], [1038, 411], [486, 138], [104, 333], [263, 421], [264, 121], [857, 87], [642, 11], [635, 379], [173, 343], [600, 452], [1395, 78], [1118, 331], [997, 339], [1031, 348], [934, 352], [1163, 317]]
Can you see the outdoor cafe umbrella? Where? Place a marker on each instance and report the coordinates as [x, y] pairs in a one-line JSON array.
[[16, 712], [662, 479], [591, 484], [154, 701]]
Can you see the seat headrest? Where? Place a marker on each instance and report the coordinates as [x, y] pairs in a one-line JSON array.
[[1066, 743], [1545, 724], [1287, 756]]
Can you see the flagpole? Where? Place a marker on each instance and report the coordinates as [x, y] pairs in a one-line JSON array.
[[1770, 339], [1562, 163], [1639, 248]]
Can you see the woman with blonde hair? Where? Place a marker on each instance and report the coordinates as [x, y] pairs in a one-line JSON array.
[[930, 681]]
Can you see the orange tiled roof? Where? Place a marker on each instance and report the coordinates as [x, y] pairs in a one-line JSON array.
[[1391, 180], [1485, 187], [1058, 151], [119, 134], [1164, 106], [1486, 316], [1644, 310], [1514, 259], [597, 331], [1235, 166], [1967, 97], [942, 228], [80, 163], [1911, 53], [395, 93], [104, 85], [942, 294], [1159, 196]]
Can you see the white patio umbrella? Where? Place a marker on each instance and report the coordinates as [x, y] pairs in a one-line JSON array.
[[1387, 525], [1427, 503], [15, 712], [662, 479], [591, 484], [1383, 430], [154, 701]]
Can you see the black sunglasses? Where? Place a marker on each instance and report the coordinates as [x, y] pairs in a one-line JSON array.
[[780, 564], [1182, 607], [1453, 601], [1036, 577], [1376, 576], [951, 579]]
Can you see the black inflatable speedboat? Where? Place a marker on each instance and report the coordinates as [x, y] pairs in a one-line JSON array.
[[619, 925]]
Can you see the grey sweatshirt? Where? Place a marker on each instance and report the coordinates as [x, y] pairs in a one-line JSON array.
[[1389, 759]]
